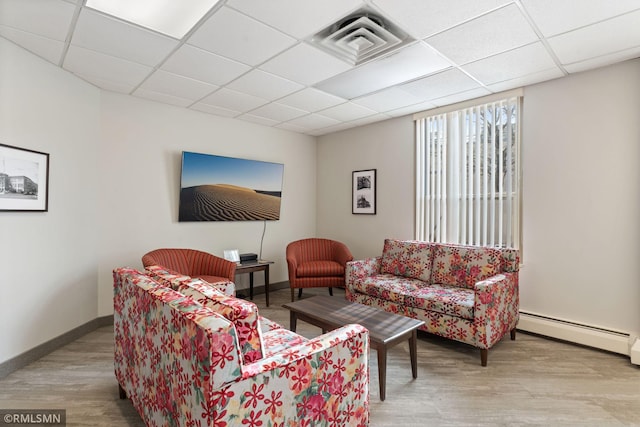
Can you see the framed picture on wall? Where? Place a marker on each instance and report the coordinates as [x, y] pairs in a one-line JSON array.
[[24, 179], [364, 192]]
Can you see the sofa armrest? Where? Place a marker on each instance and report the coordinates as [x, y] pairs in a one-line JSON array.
[[170, 351], [325, 378], [496, 308], [363, 268]]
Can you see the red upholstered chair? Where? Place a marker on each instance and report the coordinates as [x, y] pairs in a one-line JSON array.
[[315, 263], [191, 262]]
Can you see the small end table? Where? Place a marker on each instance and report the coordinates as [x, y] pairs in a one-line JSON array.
[[251, 267]]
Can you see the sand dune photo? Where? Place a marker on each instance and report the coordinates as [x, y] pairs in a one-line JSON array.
[[224, 202]]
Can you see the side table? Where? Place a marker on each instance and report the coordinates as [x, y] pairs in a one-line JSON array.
[[251, 267]]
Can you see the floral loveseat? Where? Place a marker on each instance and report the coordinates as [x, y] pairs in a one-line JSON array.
[[465, 293], [188, 355]]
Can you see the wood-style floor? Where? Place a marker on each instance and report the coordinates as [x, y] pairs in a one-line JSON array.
[[532, 381]]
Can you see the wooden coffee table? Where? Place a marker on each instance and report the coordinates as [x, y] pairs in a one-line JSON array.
[[385, 329]]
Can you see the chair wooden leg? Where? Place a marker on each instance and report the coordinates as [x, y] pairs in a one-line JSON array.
[[123, 394], [292, 294], [299, 293], [483, 356], [331, 291], [513, 334]]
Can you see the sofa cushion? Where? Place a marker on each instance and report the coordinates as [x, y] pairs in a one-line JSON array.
[[406, 292], [407, 258], [243, 314], [320, 269], [464, 265]]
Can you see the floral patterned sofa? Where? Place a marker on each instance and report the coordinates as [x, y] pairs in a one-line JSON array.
[[465, 293], [186, 354]]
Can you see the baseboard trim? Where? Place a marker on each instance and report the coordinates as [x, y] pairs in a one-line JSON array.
[[591, 336], [43, 349]]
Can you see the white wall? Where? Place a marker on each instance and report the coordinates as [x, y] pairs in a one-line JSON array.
[[114, 181], [581, 162], [48, 259], [581, 198], [140, 158], [385, 146]]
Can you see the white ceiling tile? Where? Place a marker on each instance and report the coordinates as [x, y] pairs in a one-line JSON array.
[[609, 36], [331, 129], [388, 99], [113, 37], [291, 127], [554, 17], [310, 99], [162, 97], [425, 18], [407, 64], [105, 67], [234, 100], [462, 96], [440, 84], [46, 48], [527, 80], [278, 112], [108, 85], [297, 18], [370, 119], [175, 85], [259, 120], [314, 121], [423, 106], [234, 35], [511, 65], [255, 58], [493, 33], [215, 110], [604, 60], [264, 85], [48, 18], [205, 66], [347, 112], [305, 64]]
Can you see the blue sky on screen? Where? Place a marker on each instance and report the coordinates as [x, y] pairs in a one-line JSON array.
[[203, 169]]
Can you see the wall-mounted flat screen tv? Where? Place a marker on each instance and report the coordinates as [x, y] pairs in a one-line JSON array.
[[218, 188]]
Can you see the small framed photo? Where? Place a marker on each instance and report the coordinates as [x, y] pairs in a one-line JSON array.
[[24, 179], [364, 192]]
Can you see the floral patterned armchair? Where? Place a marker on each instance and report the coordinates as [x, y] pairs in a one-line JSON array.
[[465, 293], [181, 363]]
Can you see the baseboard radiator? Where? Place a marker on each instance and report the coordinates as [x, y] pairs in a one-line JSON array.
[[592, 336]]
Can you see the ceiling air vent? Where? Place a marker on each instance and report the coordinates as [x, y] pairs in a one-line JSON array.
[[360, 37]]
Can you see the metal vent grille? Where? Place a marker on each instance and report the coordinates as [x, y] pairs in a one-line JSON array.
[[360, 37]]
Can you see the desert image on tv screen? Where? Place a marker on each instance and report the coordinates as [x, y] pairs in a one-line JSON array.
[[218, 188]]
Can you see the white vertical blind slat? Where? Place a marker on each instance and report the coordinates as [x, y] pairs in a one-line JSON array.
[[467, 187]]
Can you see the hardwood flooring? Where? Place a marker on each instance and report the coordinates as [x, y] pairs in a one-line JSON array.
[[532, 381]]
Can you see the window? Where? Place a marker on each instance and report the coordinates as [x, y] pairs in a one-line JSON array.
[[468, 174]]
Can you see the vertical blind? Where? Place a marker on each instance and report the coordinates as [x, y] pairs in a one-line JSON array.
[[468, 179]]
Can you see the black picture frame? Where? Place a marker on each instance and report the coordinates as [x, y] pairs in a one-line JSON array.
[[24, 180], [364, 189]]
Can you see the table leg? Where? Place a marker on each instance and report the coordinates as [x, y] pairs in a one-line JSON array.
[[251, 285], [293, 320], [266, 283], [382, 370], [413, 353]]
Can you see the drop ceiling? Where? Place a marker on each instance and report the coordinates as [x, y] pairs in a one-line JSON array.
[[258, 61]]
